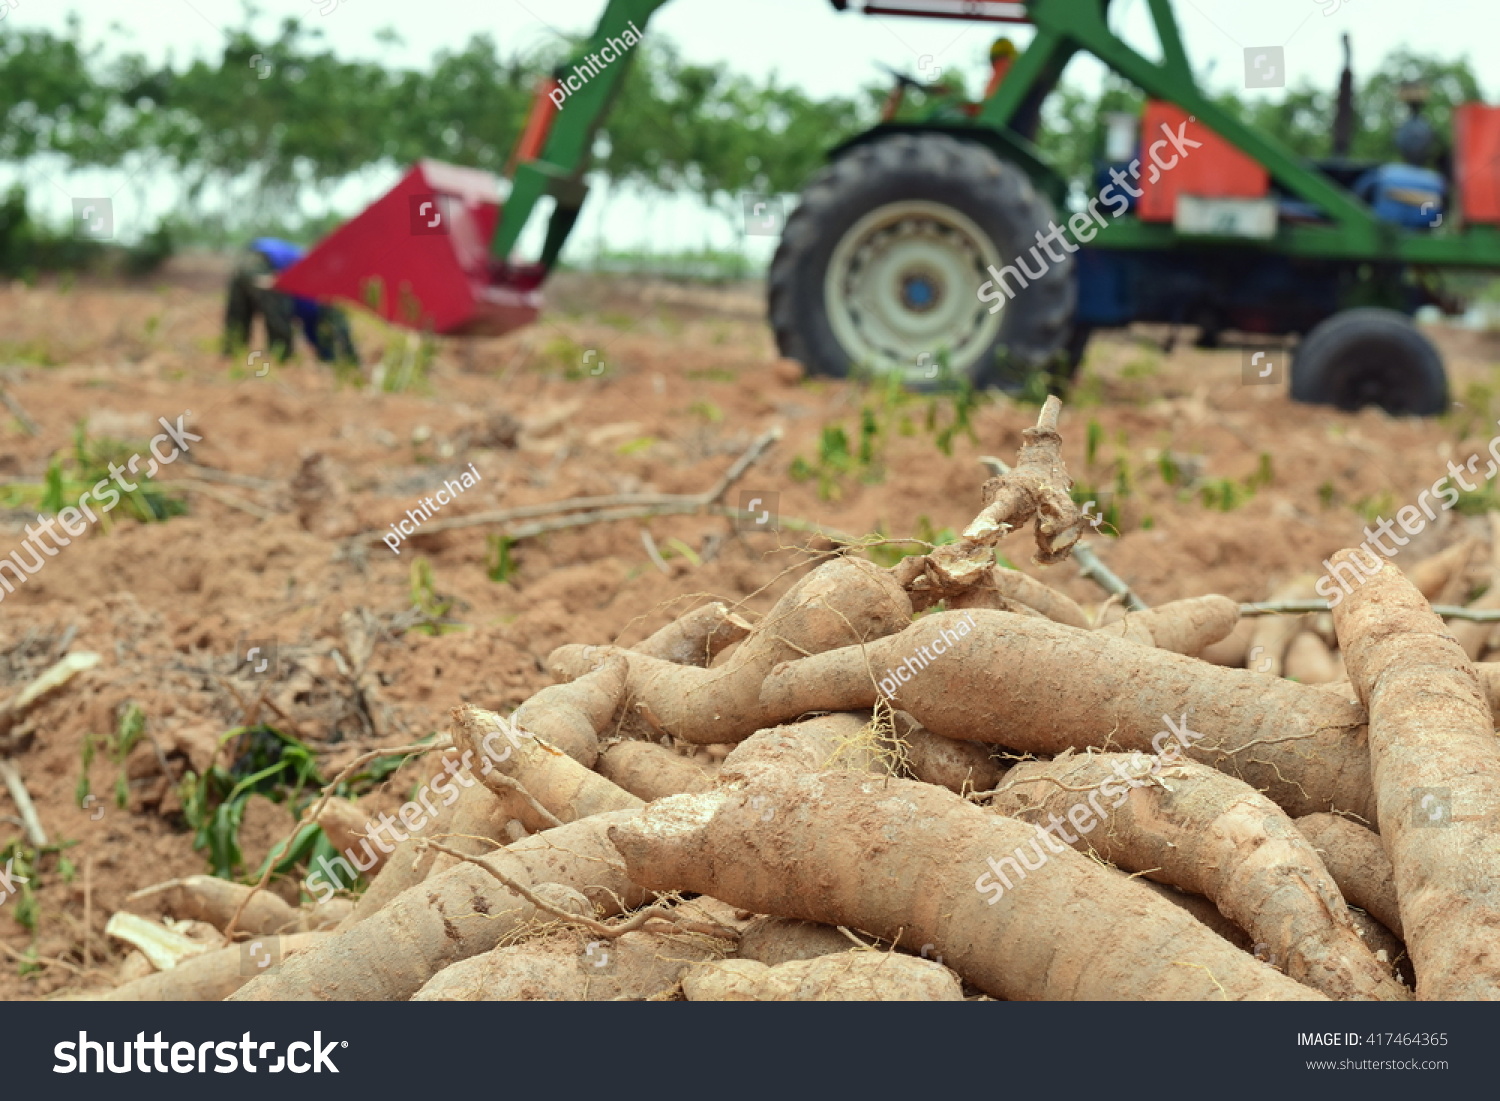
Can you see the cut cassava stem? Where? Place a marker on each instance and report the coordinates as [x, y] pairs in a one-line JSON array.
[[619, 506], [1090, 566], [1298, 607], [1036, 489]]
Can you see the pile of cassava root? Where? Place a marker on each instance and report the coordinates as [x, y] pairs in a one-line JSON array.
[[942, 781]]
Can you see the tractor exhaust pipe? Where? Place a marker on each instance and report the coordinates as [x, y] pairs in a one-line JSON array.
[[1343, 118]]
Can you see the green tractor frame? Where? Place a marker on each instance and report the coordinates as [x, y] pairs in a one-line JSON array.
[[943, 245]]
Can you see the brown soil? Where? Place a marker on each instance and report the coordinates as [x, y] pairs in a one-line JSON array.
[[690, 380]]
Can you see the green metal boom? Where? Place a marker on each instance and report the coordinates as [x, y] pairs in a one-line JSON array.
[[559, 169]]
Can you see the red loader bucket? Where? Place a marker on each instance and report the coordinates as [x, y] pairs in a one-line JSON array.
[[419, 256]]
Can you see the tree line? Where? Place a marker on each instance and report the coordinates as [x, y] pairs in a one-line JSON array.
[[274, 118]]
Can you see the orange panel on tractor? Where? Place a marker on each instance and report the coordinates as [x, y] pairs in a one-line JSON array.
[[1216, 170], [1476, 130]]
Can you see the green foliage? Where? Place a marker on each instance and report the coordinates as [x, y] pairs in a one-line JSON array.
[[1036, 388], [674, 547], [407, 359], [426, 600], [887, 554], [269, 763], [1226, 495], [1093, 437], [1222, 494], [838, 459], [706, 265], [23, 862], [707, 410], [1482, 500], [1372, 509], [1099, 471], [407, 355], [1073, 125], [69, 476], [280, 768], [28, 247], [1264, 474], [501, 567], [636, 446], [957, 407], [712, 374], [833, 449], [1171, 473], [117, 746], [272, 116], [1476, 412], [702, 129], [33, 352]]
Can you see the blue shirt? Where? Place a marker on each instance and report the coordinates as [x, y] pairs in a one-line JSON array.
[[282, 255]]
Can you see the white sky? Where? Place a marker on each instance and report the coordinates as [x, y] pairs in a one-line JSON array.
[[806, 42]]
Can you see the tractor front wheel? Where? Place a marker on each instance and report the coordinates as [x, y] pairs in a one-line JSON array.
[[881, 268], [1370, 357]]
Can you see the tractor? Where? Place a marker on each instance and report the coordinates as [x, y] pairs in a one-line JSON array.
[[946, 238]]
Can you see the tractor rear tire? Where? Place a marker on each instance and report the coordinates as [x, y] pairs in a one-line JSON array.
[[880, 267], [1370, 357]]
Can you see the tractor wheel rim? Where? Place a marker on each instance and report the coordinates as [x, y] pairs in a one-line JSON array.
[[903, 286]]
